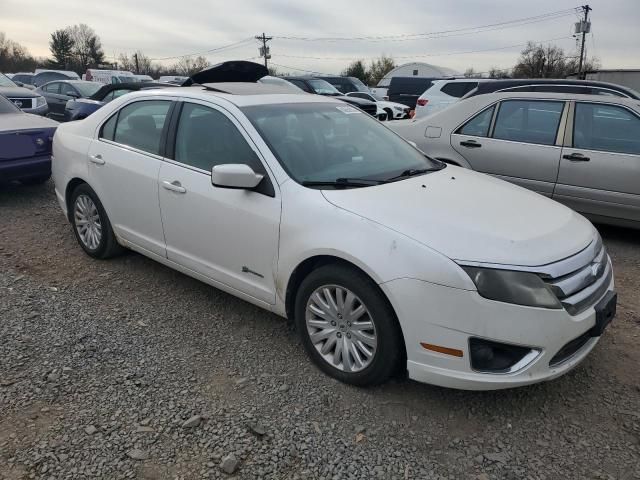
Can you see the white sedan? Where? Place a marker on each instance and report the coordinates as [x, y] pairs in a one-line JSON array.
[[394, 111], [386, 260]]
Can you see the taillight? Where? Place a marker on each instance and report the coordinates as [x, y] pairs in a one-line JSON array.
[[422, 102]]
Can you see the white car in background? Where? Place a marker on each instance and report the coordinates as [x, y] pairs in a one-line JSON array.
[[394, 111], [386, 260], [442, 94]]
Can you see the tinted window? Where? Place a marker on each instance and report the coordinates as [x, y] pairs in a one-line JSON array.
[[140, 125], [206, 138], [607, 128], [528, 121], [23, 78], [301, 84], [479, 125], [52, 88], [458, 89]]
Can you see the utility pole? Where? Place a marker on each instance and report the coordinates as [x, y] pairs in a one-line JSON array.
[[585, 27], [264, 50], [135, 57]]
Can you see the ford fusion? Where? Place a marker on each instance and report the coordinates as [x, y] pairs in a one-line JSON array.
[[386, 261]]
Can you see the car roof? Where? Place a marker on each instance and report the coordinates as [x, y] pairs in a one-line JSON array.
[[247, 95], [492, 97], [487, 85]]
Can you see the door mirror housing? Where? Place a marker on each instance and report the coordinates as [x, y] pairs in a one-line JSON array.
[[235, 175], [73, 95]]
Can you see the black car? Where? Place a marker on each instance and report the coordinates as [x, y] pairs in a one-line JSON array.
[[47, 76], [585, 87], [346, 84], [59, 92], [23, 79], [80, 108], [322, 87], [406, 90]]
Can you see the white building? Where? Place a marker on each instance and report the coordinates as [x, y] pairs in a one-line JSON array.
[[417, 69]]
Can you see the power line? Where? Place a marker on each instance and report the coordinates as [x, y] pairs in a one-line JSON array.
[[444, 33], [204, 52], [426, 54]]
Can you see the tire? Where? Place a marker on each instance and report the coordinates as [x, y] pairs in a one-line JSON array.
[[85, 203], [389, 114], [387, 350], [35, 180]]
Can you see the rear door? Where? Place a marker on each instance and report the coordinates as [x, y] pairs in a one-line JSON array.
[[55, 101], [600, 167], [516, 140]]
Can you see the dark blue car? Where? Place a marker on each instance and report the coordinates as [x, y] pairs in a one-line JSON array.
[[25, 145], [83, 107]]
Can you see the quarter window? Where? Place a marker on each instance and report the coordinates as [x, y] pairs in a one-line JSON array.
[[207, 138], [528, 121], [479, 125], [140, 125], [109, 128], [607, 128], [458, 89]]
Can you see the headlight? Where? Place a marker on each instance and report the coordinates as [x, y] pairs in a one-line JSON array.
[[40, 102], [521, 288]]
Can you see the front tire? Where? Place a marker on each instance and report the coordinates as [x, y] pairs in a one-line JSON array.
[[91, 225], [389, 114], [347, 326]]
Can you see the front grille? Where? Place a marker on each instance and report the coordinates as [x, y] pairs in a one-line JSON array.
[[582, 279], [22, 102], [570, 349]]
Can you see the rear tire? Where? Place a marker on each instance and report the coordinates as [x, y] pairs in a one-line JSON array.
[[347, 326], [91, 225]]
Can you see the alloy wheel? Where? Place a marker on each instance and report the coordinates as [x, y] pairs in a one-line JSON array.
[[87, 222]]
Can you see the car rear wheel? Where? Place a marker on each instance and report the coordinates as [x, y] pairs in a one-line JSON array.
[[347, 327], [91, 225]]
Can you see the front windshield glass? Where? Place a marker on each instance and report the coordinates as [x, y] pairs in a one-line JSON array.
[[359, 85], [323, 142], [6, 82], [87, 89], [7, 107], [322, 87]]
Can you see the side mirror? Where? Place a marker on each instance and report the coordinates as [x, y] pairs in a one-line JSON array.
[[235, 175], [73, 95]]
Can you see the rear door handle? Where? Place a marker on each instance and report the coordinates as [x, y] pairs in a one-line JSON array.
[[576, 157], [174, 186], [470, 144], [97, 159]]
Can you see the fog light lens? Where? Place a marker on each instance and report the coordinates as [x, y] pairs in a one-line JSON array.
[[493, 357]]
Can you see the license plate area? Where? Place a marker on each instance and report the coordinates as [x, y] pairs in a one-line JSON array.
[[605, 311]]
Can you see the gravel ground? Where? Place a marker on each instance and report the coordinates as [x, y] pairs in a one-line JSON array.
[[127, 369]]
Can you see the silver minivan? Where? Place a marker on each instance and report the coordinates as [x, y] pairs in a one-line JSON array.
[[582, 150]]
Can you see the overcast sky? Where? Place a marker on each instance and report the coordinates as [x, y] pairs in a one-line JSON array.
[[164, 28]]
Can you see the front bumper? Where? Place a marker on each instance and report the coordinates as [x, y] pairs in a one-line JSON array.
[[25, 168], [449, 317]]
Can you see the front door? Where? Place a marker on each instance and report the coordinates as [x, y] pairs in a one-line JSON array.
[[124, 163], [522, 146], [228, 235], [600, 166]]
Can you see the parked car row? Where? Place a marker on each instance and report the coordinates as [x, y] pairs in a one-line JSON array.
[[386, 259]]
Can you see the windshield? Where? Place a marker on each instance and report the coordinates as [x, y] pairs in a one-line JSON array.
[[87, 89], [322, 87], [7, 107], [323, 142], [6, 82], [359, 85]]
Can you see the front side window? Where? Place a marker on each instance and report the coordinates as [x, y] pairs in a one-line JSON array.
[[324, 142], [607, 128], [206, 138], [52, 87], [68, 90], [140, 125], [528, 121], [479, 125]]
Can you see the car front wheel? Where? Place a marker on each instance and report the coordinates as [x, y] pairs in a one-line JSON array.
[[347, 327], [91, 224]]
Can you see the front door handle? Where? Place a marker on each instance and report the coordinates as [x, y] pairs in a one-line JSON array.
[[576, 157], [97, 159], [470, 144], [174, 186]]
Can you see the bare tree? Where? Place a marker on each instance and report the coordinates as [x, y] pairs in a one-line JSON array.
[[187, 66], [14, 57], [87, 47], [470, 73], [495, 72]]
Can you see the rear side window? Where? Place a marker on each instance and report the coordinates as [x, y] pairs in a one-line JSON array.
[[207, 138], [479, 125], [140, 125], [607, 128], [528, 121], [458, 89]]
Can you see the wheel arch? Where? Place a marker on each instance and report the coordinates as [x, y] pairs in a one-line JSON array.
[[71, 186]]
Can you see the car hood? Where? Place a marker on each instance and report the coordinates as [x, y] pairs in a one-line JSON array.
[[469, 216], [18, 92], [353, 100], [10, 122]]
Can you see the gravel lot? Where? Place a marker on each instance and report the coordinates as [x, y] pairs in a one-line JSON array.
[[127, 369]]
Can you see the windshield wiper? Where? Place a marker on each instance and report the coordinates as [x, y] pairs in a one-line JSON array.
[[412, 172], [344, 182]]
